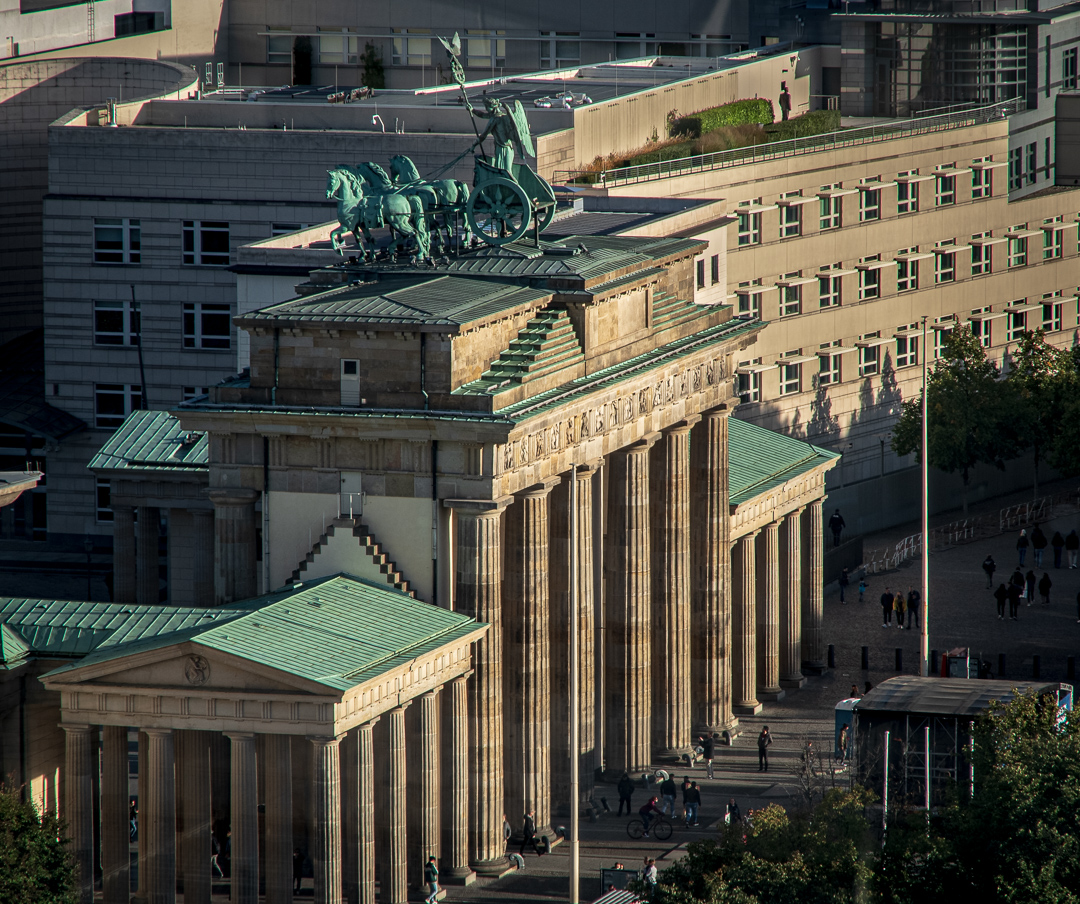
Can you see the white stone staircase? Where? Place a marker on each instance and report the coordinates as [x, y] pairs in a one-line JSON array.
[[349, 545]]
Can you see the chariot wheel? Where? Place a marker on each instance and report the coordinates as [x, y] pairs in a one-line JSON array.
[[499, 211]]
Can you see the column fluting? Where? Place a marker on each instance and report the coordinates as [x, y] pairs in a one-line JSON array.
[[80, 744], [278, 820], [147, 531], [791, 602], [326, 795], [158, 817], [115, 826], [768, 640], [813, 592], [744, 628], [193, 799], [245, 819]]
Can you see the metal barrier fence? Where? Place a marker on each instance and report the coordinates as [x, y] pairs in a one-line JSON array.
[[791, 147]]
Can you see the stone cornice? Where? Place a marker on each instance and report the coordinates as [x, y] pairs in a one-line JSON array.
[[777, 502]]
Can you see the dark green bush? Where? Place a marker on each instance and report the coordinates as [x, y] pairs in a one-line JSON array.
[[814, 123], [741, 112]]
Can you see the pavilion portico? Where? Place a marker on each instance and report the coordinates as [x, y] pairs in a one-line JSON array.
[[322, 683]]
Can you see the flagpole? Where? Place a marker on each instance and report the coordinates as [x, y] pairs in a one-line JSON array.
[[924, 631]]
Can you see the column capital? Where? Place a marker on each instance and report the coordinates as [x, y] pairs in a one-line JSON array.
[[234, 735], [641, 445], [683, 426], [478, 506], [199, 511], [540, 489], [77, 728], [158, 732], [325, 740], [717, 412], [588, 468], [230, 496]]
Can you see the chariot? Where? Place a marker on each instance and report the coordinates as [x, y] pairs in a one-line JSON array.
[[504, 204]]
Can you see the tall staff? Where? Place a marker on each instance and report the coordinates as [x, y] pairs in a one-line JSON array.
[[924, 630], [453, 51]]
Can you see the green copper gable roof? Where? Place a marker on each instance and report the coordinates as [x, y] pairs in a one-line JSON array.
[[760, 459], [338, 631], [13, 649], [152, 440]]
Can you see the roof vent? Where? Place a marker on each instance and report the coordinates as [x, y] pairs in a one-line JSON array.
[[191, 438]]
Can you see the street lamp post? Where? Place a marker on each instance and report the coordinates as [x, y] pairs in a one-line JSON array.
[[924, 631]]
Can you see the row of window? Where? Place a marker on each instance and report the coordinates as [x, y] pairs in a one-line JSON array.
[[794, 367], [830, 206], [205, 325], [1048, 239], [115, 401], [118, 240]]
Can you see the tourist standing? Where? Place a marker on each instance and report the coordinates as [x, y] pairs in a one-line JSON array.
[[1044, 588], [989, 566], [1014, 597], [431, 877], [764, 740], [844, 581], [626, 789], [862, 588], [693, 801], [1030, 580], [1038, 544], [1072, 546], [913, 600], [667, 792], [1001, 595], [836, 525], [1022, 544], [886, 608], [1058, 542], [900, 605], [708, 748]]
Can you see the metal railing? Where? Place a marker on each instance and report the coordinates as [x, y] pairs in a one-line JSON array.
[[904, 128]]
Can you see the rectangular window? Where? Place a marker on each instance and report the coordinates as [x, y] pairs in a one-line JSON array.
[[206, 243], [187, 393], [1068, 69], [749, 381], [790, 301], [907, 272], [981, 259], [559, 49], [338, 45], [715, 261], [829, 365], [946, 190], [1051, 315], [407, 50], [701, 274], [829, 290], [116, 323], [944, 264], [1051, 244], [907, 194], [790, 221], [117, 241], [941, 331], [749, 225], [869, 204], [868, 357], [790, 375], [830, 209], [869, 282], [207, 325], [981, 186], [279, 46], [113, 402], [1016, 168], [980, 329], [484, 48], [103, 501], [750, 302], [1018, 251], [1031, 168], [907, 347], [1015, 324]]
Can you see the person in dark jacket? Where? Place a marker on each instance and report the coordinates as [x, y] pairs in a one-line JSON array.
[[1001, 595], [708, 749], [647, 813], [1038, 544], [1022, 544], [989, 566], [431, 878], [734, 814], [626, 789], [1058, 542], [764, 740], [836, 525], [886, 608], [1014, 598], [1044, 588], [1072, 546], [297, 870], [528, 835], [843, 582], [693, 801], [668, 790], [1030, 580], [913, 600]]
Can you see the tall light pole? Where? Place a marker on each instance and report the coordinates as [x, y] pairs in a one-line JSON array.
[[575, 693], [924, 631]]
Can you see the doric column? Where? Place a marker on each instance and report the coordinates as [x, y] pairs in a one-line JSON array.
[[791, 602], [768, 614], [813, 592], [202, 560], [629, 612], [478, 594], [158, 818], [392, 834], [245, 819], [424, 780], [326, 794], [527, 693], [80, 744], [115, 827], [193, 798], [235, 575], [278, 821], [672, 592], [124, 554], [455, 810], [744, 628], [711, 550], [147, 531], [358, 766]]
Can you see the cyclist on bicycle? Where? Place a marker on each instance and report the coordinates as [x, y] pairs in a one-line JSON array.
[[646, 814]]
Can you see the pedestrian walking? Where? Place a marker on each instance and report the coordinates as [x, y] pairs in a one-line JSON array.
[[1044, 588], [842, 744], [844, 581], [763, 741], [1038, 544], [1058, 542], [886, 608], [708, 748], [1014, 599], [900, 606], [431, 877], [133, 819], [668, 792], [1072, 546], [1029, 579], [693, 801], [913, 600], [684, 787], [215, 853], [648, 874], [862, 589], [733, 814], [836, 525], [1022, 544], [528, 834], [989, 566], [1001, 595], [626, 789], [507, 831]]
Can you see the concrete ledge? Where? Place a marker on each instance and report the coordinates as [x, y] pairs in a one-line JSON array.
[[793, 683], [744, 710], [771, 696], [465, 879]]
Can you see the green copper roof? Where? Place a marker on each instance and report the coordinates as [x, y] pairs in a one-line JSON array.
[[760, 459], [338, 631], [152, 440], [13, 649]]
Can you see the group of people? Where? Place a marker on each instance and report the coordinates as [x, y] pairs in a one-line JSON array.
[[1037, 542], [691, 800], [901, 605], [1021, 585]]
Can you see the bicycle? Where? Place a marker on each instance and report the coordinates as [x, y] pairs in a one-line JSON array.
[[659, 826]]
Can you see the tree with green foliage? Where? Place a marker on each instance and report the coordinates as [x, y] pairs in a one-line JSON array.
[[970, 411], [35, 866], [371, 62], [1064, 450]]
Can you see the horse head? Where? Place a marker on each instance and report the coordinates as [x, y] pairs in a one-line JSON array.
[[404, 169]]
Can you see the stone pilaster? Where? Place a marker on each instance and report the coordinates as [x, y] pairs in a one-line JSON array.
[[245, 819], [768, 614], [628, 610], [392, 833], [455, 811], [124, 554], [147, 532], [278, 821], [158, 818], [711, 562], [672, 593], [326, 795], [744, 628], [478, 594], [791, 602], [80, 745], [813, 592], [193, 799], [115, 827], [424, 805], [202, 564], [235, 576], [527, 691]]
